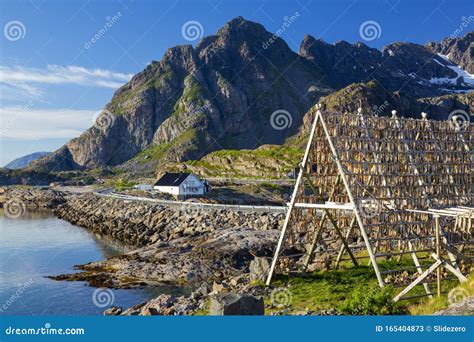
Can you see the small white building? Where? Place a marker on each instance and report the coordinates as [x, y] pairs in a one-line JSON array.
[[181, 184], [145, 187]]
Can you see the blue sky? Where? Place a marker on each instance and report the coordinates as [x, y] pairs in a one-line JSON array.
[[54, 78]]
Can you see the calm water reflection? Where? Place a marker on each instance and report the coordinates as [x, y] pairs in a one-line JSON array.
[[37, 245]]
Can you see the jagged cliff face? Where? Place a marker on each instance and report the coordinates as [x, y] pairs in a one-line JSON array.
[[460, 50], [222, 93], [375, 100], [400, 67], [218, 95]]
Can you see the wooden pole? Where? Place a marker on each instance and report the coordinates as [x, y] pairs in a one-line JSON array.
[[293, 197], [438, 270]]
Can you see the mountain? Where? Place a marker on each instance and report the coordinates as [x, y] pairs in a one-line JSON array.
[[376, 100], [406, 67], [459, 50], [220, 94], [225, 92], [24, 161]]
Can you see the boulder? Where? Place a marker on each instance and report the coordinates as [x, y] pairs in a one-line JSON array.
[[113, 311], [259, 268], [158, 306], [232, 304]]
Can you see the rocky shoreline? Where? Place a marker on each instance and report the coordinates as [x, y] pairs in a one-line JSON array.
[[176, 246], [204, 249]]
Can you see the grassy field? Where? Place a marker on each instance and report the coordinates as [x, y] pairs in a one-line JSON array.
[[354, 291], [427, 306]]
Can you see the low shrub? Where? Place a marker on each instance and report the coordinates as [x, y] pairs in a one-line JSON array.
[[371, 300]]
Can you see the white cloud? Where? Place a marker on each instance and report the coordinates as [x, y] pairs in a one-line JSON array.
[[19, 80], [30, 123], [15, 91]]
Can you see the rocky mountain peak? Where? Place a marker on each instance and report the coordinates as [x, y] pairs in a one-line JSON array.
[[460, 50], [222, 94], [241, 28]]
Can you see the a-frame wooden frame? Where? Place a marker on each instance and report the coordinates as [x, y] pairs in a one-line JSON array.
[[345, 181]]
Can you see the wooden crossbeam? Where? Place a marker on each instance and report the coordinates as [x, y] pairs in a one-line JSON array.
[[418, 280]]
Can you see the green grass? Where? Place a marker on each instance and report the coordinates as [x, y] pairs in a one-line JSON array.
[[271, 162], [354, 290], [158, 152], [152, 153], [292, 154], [205, 310], [120, 184], [428, 306], [322, 290]]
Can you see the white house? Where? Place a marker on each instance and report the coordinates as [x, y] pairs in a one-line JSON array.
[[181, 184]]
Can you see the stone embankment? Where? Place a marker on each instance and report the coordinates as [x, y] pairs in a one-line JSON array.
[[13, 199], [143, 224]]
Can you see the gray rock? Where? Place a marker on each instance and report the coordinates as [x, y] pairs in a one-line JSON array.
[[200, 292], [231, 304], [259, 268]]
